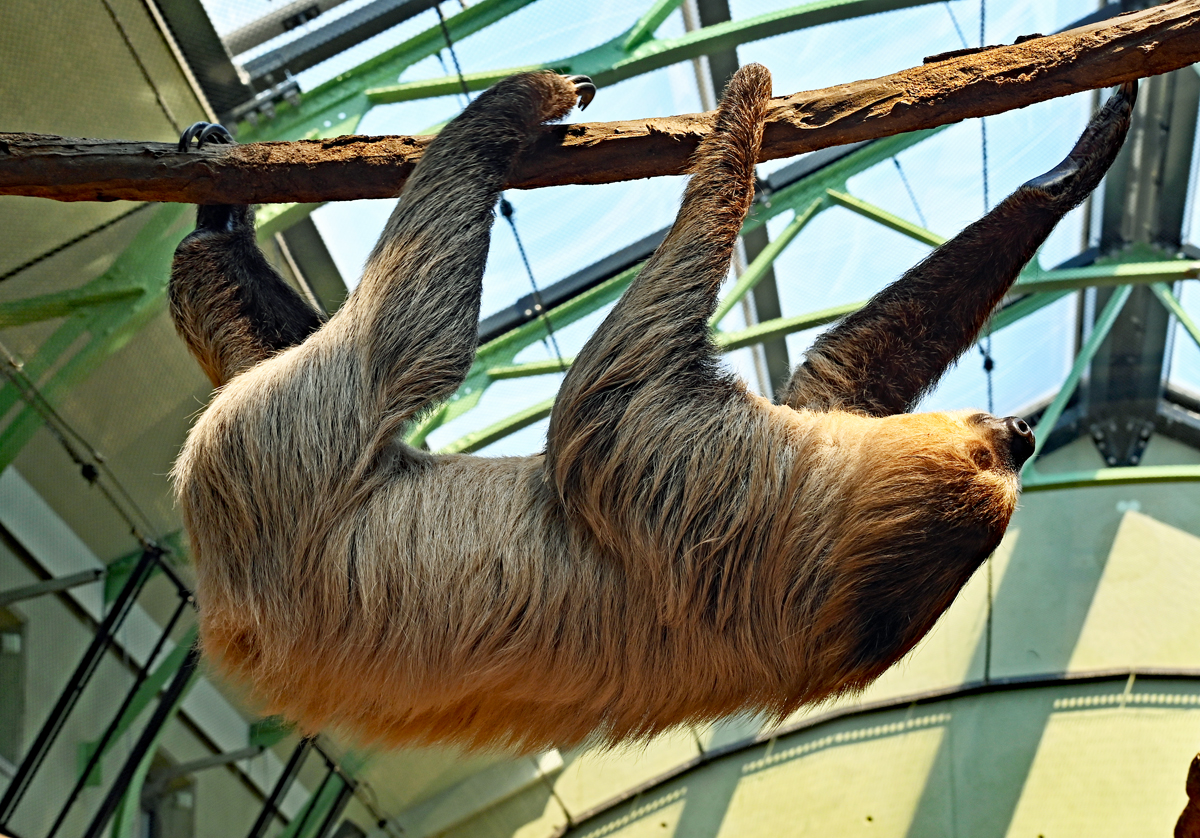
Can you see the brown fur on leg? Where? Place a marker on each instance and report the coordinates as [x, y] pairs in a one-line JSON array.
[[884, 357], [230, 306], [685, 550]]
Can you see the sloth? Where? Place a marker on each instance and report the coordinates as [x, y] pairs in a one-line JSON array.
[[682, 550]]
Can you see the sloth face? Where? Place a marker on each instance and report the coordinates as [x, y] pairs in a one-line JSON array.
[[926, 500]]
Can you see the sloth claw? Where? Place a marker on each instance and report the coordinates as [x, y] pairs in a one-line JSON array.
[[1081, 170], [203, 132], [585, 89]]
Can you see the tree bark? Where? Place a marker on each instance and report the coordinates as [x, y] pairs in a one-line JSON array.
[[943, 90]]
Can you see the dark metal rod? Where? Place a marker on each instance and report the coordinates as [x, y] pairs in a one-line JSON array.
[[298, 832], [271, 805], [335, 811], [50, 586], [110, 731], [78, 680], [166, 706], [186, 768]]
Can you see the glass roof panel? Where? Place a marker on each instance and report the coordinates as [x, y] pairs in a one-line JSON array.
[[839, 258]]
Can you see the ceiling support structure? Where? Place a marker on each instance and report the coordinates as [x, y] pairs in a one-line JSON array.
[[327, 41], [722, 64], [101, 316], [49, 586], [612, 62], [1143, 212]]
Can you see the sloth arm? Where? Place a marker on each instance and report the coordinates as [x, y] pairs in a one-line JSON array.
[[230, 306], [881, 359]]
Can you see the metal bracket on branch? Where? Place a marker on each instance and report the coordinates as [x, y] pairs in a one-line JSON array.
[[981, 83]]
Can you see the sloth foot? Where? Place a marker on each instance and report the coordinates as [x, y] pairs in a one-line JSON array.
[[1075, 177], [205, 132], [585, 89], [215, 218]]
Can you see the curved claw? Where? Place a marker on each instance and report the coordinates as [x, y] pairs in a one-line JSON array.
[[203, 132], [585, 89], [1081, 170]]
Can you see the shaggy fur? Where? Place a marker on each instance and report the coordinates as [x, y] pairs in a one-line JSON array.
[[683, 550]]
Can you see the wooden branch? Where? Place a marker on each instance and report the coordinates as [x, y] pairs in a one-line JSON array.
[[980, 83]]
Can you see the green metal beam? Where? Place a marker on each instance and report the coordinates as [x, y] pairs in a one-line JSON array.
[[61, 361], [762, 263], [59, 304], [342, 102], [887, 219], [546, 367], [270, 731], [1124, 476], [308, 820], [129, 810], [1172, 304], [1088, 351], [783, 326], [141, 700], [646, 25], [612, 62], [498, 430], [1024, 307], [1105, 275]]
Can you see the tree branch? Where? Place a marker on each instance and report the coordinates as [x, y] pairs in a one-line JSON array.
[[962, 86]]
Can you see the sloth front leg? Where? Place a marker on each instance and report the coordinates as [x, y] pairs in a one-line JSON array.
[[415, 314], [651, 369], [884, 357], [230, 306]]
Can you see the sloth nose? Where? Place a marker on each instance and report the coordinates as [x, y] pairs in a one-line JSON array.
[[1020, 440]]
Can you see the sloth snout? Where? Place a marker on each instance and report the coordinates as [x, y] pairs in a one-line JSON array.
[[1020, 440]]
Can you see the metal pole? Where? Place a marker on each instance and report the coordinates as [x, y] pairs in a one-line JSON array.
[[166, 707], [49, 586], [298, 832], [110, 731], [271, 805], [335, 811], [78, 680]]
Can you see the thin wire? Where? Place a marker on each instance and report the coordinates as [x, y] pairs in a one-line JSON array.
[[912, 195], [91, 467], [61, 427], [24, 266], [162, 103], [985, 347], [506, 209], [957, 28], [453, 55]]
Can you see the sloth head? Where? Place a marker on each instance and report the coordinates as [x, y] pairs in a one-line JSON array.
[[926, 501]]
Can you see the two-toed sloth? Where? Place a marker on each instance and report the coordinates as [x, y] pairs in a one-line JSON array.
[[683, 549]]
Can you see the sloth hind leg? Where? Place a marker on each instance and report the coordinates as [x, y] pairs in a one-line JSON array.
[[230, 305]]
